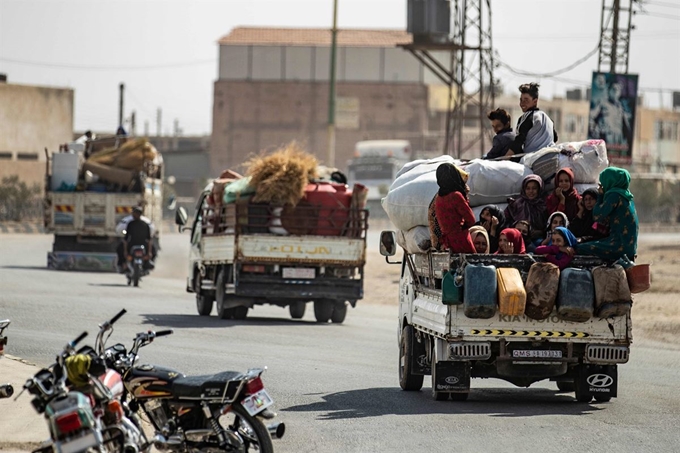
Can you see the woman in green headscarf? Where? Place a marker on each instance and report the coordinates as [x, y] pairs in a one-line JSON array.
[[614, 210]]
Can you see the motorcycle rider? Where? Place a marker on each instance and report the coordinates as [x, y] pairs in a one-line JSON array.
[[138, 233], [122, 227]]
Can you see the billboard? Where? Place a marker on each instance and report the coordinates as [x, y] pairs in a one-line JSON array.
[[612, 113]]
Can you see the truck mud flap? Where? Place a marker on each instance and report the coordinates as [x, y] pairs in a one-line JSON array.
[[453, 377], [419, 361], [597, 380]]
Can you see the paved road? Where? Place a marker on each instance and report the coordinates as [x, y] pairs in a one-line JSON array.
[[335, 386]]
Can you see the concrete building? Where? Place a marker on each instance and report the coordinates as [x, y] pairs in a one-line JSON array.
[[273, 87], [32, 118], [186, 160]]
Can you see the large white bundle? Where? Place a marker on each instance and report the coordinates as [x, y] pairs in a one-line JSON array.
[[415, 240], [494, 181], [416, 163], [580, 188], [424, 166], [587, 159], [407, 205]]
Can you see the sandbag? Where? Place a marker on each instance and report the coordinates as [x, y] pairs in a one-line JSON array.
[[494, 181], [407, 205], [415, 240]]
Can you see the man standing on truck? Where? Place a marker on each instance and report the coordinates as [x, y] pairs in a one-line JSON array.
[[138, 232], [535, 130]]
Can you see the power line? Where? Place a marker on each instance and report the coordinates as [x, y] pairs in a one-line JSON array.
[[664, 16], [553, 73], [109, 68], [662, 4]]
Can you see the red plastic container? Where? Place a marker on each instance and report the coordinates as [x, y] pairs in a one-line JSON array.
[[333, 201]]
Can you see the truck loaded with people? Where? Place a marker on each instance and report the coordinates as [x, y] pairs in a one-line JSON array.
[[522, 271], [287, 233], [91, 189]]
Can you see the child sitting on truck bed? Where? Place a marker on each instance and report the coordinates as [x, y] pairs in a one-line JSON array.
[[530, 206], [556, 219], [453, 215], [561, 251], [510, 242]]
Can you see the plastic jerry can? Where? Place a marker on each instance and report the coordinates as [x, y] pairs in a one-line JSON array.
[[479, 291], [452, 290], [512, 297], [612, 295], [333, 201], [576, 297], [542, 284]]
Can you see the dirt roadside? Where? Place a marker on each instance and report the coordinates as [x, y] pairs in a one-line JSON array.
[[656, 313]]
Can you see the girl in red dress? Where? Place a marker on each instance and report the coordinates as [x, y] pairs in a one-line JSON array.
[[452, 211]]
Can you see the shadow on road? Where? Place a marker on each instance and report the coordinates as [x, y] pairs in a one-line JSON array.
[[165, 320], [116, 285], [495, 402], [28, 268]]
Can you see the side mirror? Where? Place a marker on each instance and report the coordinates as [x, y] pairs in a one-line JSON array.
[[388, 243], [181, 216], [172, 203]]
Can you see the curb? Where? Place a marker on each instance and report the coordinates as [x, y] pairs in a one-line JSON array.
[[21, 228]]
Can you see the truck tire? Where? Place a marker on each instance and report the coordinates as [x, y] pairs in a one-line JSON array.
[[582, 395], [459, 396], [323, 310], [602, 398], [565, 386], [221, 298], [240, 312], [408, 381], [204, 303], [297, 309], [339, 312]]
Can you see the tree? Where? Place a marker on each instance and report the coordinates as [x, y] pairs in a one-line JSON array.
[[17, 199]]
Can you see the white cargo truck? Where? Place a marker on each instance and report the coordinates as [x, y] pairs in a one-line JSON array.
[[82, 210], [438, 339], [245, 254]]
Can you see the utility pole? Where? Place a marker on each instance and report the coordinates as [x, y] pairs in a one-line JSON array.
[[133, 124], [331, 96], [615, 27], [146, 128], [121, 89], [158, 122]]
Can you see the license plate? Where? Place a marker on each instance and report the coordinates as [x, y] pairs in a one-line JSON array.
[[543, 354], [298, 272], [258, 402], [79, 444]]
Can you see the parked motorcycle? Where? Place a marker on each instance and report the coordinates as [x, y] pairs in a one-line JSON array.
[[6, 390], [138, 265], [74, 424], [228, 411]]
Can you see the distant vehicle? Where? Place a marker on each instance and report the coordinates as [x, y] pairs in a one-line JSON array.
[[376, 163]]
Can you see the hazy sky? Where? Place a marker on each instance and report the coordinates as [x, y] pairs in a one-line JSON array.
[[166, 51]]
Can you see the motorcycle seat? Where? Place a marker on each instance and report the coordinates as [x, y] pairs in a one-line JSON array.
[[212, 385]]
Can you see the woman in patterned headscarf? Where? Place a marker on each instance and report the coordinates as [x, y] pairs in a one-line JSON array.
[[530, 206], [453, 217], [615, 208]]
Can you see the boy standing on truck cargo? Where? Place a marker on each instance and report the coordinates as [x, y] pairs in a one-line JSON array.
[[535, 130]]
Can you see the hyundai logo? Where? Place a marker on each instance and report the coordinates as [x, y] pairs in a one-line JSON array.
[[600, 380], [451, 380]]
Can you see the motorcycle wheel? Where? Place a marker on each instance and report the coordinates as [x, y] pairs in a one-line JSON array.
[[135, 276], [252, 430]]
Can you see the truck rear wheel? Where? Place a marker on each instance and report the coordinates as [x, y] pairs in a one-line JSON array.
[[240, 312], [565, 386], [339, 312], [323, 310], [297, 309], [221, 298], [408, 381]]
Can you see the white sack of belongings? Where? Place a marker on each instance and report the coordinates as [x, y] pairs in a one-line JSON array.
[[587, 159], [421, 167], [580, 188], [494, 181], [415, 240], [407, 205]]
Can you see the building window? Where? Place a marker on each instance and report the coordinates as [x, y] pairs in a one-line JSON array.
[[27, 156], [666, 130], [5, 155]]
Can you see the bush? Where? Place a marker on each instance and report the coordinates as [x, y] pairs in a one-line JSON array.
[[18, 201]]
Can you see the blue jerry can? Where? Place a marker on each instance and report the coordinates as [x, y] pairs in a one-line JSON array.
[[576, 296], [479, 290]]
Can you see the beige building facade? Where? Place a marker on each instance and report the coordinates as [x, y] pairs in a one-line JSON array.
[[32, 118]]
